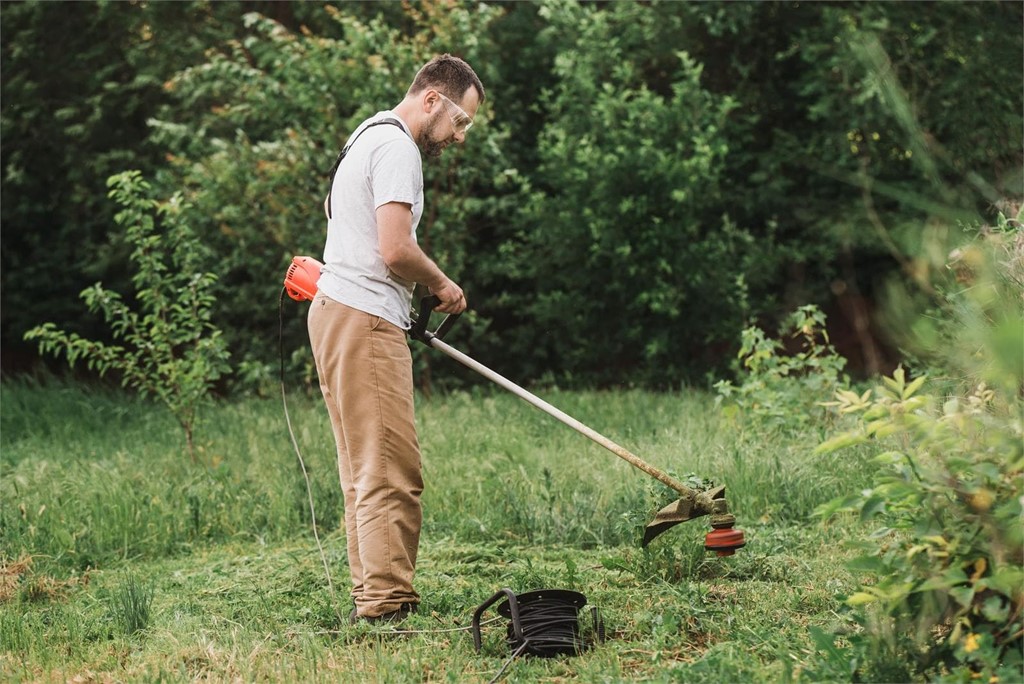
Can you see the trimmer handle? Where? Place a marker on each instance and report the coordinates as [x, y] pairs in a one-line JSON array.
[[419, 325]]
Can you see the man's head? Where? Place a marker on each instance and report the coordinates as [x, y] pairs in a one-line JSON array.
[[442, 102]]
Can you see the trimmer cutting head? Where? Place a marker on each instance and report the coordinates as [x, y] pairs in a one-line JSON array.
[[724, 540]]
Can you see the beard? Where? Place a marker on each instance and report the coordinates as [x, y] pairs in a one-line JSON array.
[[431, 147]]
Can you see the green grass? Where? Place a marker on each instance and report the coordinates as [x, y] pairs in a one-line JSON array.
[[122, 560]]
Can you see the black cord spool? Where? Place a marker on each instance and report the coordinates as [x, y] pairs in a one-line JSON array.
[[543, 623]]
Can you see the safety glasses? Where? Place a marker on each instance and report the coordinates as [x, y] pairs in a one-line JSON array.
[[461, 121]]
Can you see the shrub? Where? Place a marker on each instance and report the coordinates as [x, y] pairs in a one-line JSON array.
[[783, 389], [948, 555], [174, 352], [625, 238]]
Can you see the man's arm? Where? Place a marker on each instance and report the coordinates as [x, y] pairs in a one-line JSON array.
[[405, 258]]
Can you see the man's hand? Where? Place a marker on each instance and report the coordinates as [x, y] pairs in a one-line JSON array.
[[453, 300]]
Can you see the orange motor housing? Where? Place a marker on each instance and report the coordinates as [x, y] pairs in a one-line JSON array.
[[300, 279]]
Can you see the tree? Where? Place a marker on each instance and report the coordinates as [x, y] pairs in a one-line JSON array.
[[627, 253], [79, 82]]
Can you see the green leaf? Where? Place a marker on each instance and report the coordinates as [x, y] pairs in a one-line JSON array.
[[860, 598], [873, 506], [896, 383], [996, 609], [989, 471], [913, 387], [888, 458], [1007, 580], [951, 577], [869, 564], [837, 505], [962, 594], [883, 428], [840, 442], [875, 412]]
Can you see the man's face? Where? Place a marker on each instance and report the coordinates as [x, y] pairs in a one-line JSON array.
[[448, 122], [434, 136]]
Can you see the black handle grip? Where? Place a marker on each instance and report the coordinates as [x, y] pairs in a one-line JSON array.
[[513, 606], [419, 326]]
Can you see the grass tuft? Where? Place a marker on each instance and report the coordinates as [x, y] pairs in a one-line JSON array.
[[131, 605]]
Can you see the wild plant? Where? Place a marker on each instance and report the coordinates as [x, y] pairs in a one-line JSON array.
[[173, 350], [946, 564], [779, 388]]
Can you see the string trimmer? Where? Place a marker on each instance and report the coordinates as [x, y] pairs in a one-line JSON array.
[[300, 283]]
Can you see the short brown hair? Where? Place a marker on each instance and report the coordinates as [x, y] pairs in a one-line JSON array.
[[448, 74]]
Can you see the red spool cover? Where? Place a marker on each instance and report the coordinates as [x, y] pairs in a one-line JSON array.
[[724, 542]]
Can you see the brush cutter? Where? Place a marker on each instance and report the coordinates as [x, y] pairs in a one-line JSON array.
[[300, 283]]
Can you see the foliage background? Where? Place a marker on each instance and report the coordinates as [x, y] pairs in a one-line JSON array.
[[646, 180]]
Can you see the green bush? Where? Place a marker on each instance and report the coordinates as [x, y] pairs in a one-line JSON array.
[[783, 389], [945, 588], [175, 352], [623, 251]]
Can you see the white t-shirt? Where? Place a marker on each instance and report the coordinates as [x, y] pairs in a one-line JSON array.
[[382, 166]]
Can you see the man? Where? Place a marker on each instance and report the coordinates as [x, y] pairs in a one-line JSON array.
[[357, 324]]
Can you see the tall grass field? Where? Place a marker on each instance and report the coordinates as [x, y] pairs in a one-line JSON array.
[[121, 560]]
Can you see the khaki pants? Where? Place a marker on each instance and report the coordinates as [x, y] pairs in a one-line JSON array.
[[365, 370]]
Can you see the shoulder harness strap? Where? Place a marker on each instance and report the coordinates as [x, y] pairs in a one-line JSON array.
[[344, 151]]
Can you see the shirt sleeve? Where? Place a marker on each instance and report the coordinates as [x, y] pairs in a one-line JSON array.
[[396, 173]]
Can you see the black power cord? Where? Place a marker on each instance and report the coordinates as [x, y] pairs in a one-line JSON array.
[[549, 628], [543, 623]]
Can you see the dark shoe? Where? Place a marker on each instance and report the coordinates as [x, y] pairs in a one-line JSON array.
[[393, 617]]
